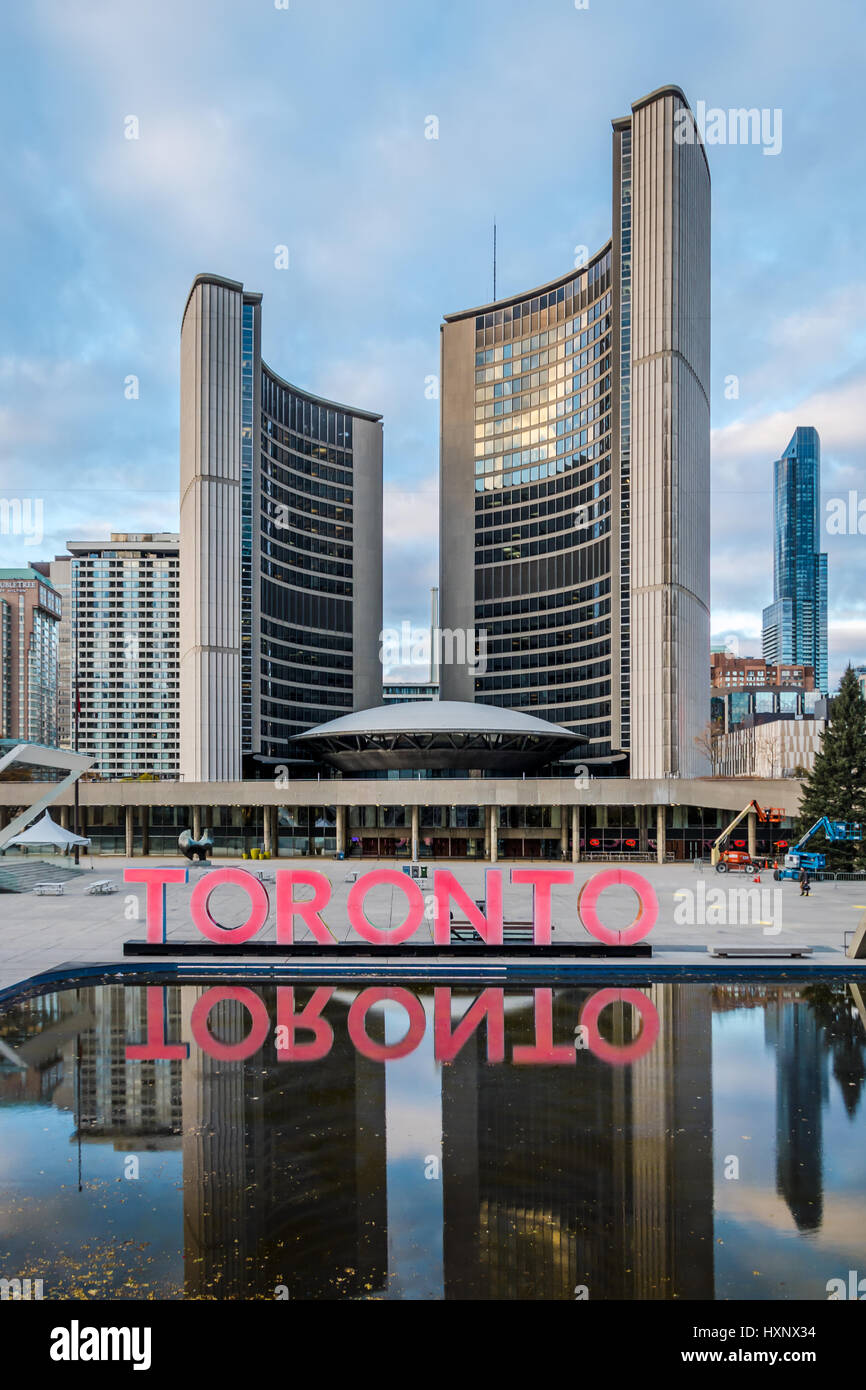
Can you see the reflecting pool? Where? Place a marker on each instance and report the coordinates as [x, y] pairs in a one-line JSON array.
[[659, 1141]]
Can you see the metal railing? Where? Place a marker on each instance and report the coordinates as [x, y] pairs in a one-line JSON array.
[[627, 856], [827, 876]]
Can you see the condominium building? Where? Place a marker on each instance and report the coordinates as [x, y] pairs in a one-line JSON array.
[[795, 623], [29, 617], [574, 480], [280, 547], [124, 661], [59, 572]]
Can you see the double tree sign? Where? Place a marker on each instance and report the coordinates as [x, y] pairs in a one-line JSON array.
[[447, 894]]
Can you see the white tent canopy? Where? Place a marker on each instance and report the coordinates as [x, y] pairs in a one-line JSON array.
[[45, 831]]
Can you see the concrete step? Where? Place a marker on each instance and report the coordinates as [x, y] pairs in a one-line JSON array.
[[19, 873]]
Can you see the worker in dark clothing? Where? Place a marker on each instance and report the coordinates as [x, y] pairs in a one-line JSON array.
[[805, 883]]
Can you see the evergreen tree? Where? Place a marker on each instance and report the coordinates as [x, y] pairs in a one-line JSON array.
[[836, 786]]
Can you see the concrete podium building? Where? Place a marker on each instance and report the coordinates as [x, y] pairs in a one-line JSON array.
[[280, 548], [574, 480]]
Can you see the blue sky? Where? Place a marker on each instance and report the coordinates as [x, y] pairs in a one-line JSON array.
[[305, 127]]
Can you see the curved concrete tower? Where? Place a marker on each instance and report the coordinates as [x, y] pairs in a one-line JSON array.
[[574, 478], [280, 548]]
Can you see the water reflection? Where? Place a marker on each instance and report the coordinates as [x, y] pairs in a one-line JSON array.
[[317, 1142]]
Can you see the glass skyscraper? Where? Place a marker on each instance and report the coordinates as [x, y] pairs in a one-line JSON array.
[[795, 623]]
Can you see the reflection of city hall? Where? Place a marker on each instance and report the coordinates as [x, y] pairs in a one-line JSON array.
[[553, 1171]]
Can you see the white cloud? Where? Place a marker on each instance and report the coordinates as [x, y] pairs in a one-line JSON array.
[[837, 413]]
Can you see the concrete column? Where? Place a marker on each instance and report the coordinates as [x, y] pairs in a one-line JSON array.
[[64, 818], [267, 830], [415, 830], [275, 831], [643, 829], [494, 834], [563, 833], [752, 827], [660, 834], [196, 822], [144, 817], [129, 826], [342, 817], [575, 834]]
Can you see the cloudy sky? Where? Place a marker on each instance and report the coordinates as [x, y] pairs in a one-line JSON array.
[[304, 126]]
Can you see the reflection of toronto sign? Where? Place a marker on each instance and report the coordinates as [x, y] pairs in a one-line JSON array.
[[447, 894], [449, 1036]]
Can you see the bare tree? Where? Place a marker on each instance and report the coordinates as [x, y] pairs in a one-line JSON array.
[[706, 742]]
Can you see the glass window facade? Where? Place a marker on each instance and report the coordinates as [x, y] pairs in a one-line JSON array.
[[543, 484], [795, 623], [306, 565]]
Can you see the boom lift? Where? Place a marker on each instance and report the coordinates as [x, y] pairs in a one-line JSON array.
[[726, 860], [797, 858]]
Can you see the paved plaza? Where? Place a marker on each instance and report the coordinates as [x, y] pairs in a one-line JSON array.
[[697, 909]]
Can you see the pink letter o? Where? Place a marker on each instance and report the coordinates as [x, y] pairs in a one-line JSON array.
[[229, 936], [642, 1044], [386, 1052], [230, 1052], [383, 936], [647, 915]]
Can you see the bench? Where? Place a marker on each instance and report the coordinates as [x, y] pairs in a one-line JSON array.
[[758, 952], [102, 885], [40, 889], [513, 933]]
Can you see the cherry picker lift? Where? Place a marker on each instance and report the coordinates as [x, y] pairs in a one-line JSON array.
[[798, 858], [729, 860]]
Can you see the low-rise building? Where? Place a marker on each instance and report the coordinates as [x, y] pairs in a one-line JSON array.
[[729, 672], [729, 709], [397, 692], [774, 746]]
